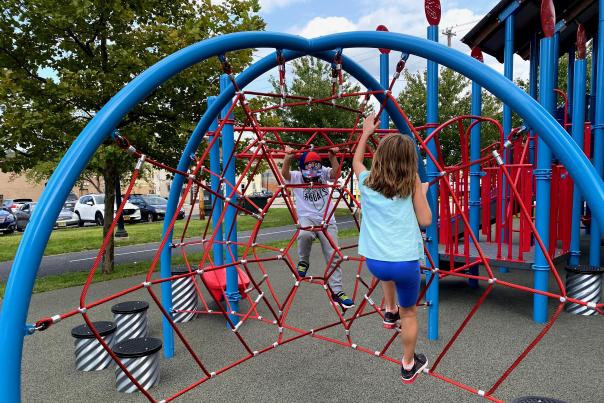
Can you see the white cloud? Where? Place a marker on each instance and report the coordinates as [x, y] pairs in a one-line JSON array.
[[319, 26]]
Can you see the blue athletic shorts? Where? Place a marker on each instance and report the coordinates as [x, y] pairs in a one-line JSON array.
[[404, 274]]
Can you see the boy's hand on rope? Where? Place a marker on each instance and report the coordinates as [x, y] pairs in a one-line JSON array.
[[333, 151], [289, 151]]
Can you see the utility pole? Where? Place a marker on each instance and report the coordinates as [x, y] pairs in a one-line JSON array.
[[448, 32]]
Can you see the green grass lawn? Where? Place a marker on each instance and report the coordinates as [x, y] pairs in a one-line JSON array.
[[90, 238], [49, 283]]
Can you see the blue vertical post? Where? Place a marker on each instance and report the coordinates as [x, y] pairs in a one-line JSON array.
[[475, 172], [533, 85], [543, 177], [557, 58], [508, 72], [384, 82], [578, 118], [230, 217], [598, 133], [215, 185], [433, 193], [592, 82], [570, 81]]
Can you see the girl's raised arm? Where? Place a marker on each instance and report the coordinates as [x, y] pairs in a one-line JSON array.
[[369, 126]]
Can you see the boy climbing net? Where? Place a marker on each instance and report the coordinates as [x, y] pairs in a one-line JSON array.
[[313, 204]]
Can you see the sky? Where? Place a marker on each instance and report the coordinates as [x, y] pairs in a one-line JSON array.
[[312, 18]]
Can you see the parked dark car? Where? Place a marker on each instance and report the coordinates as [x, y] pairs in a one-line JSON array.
[[8, 223], [152, 207], [67, 218]]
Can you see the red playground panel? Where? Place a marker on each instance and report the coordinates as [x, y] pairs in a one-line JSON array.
[[215, 280]]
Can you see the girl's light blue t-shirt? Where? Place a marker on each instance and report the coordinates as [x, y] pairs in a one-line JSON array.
[[389, 228]]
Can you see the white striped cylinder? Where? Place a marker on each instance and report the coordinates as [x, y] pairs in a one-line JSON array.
[[130, 317], [89, 352], [141, 359], [585, 284], [184, 296]]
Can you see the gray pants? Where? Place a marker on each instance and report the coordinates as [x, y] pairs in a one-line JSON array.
[[305, 239]]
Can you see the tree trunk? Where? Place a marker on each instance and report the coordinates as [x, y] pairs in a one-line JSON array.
[[109, 175]]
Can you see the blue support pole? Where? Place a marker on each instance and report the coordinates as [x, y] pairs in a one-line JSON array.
[[533, 85], [508, 72], [432, 296], [592, 81], [17, 298], [475, 172], [543, 175], [384, 82], [570, 81], [580, 68], [598, 136], [215, 185], [166, 288], [557, 59], [230, 217]]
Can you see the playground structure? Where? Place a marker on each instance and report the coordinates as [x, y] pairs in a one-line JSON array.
[[485, 220]]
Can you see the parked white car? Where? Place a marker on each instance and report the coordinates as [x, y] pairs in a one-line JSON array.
[[91, 208]]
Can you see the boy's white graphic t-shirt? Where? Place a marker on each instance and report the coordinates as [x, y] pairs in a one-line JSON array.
[[312, 201]]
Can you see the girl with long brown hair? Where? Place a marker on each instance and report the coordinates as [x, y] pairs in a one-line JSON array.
[[394, 205]]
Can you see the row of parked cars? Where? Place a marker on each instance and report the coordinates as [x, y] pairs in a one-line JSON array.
[[15, 213]]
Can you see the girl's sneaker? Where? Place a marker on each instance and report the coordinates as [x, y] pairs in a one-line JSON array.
[[390, 319], [409, 376]]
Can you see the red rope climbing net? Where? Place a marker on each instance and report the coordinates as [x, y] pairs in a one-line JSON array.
[[263, 302]]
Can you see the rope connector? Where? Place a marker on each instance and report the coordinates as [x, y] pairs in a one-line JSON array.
[[497, 157], [82, 310], [140, 162]]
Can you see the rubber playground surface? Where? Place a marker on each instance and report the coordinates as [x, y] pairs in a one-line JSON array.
[[567, 364]]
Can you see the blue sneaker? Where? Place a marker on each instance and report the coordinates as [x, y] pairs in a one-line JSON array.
[[302, 268], [343, 300]]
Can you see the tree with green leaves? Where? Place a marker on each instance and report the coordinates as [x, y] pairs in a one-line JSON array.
[[312, 78], [61, 61], [454, 99]]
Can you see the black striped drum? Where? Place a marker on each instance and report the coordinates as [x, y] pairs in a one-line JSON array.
[[141, 359], [184, 296], [89, 352], [583, 283], [130, 317]]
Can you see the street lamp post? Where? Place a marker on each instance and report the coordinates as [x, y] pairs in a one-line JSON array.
[[121, 231]]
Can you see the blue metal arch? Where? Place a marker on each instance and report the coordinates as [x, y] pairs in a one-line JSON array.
[[31, 248]]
